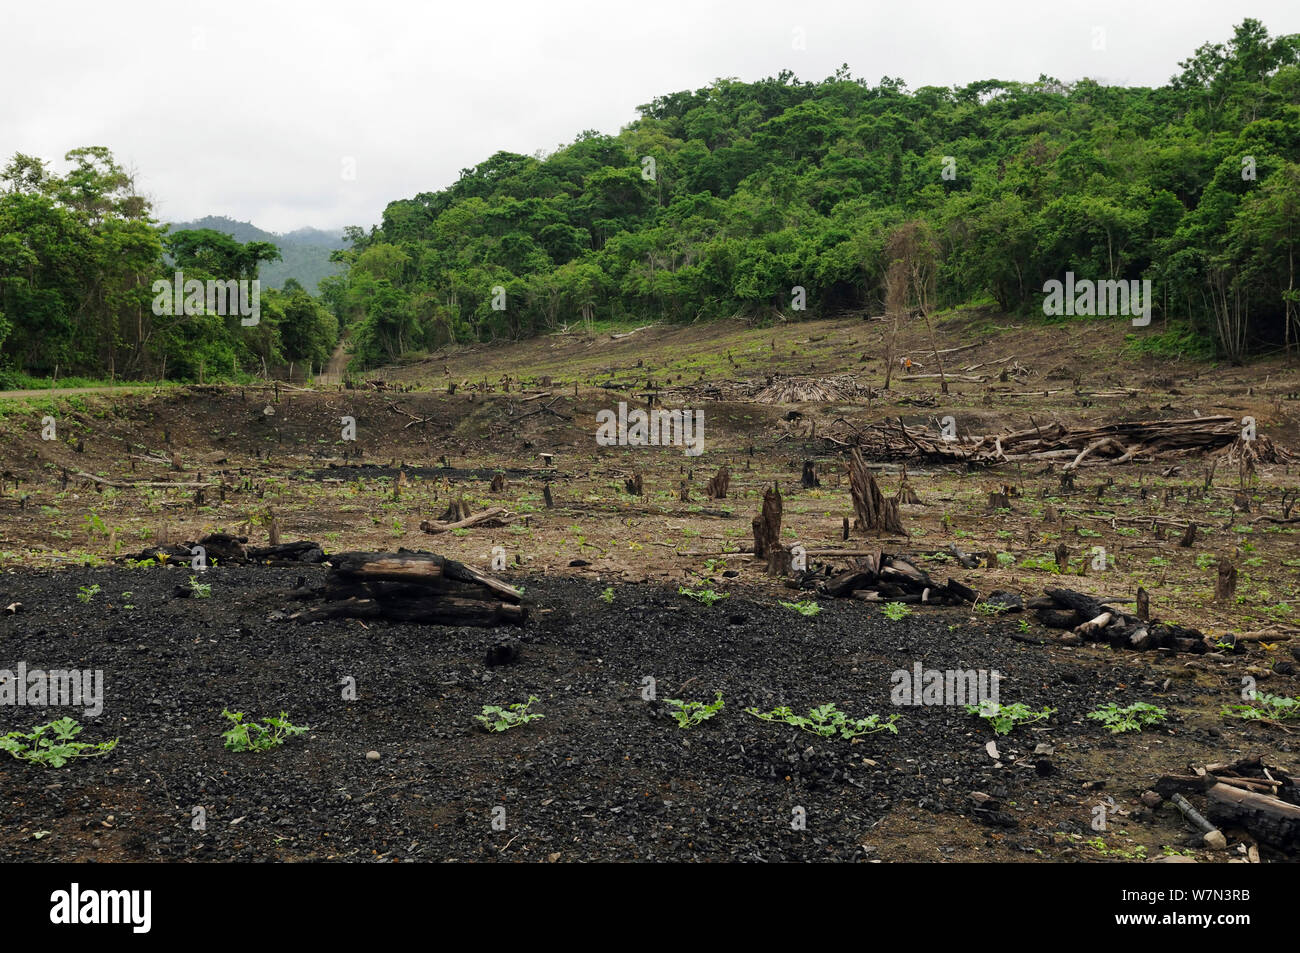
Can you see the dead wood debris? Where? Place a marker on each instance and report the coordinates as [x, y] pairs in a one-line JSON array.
[[1097, 446], [411, 586]]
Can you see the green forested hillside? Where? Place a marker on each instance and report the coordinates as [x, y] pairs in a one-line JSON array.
[[305, 252], [715, 203], [79, 254], [719, 202]]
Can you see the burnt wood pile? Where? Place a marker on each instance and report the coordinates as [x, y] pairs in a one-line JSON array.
[[224, 549], [881, 577], [411, 586], [1089, 619]]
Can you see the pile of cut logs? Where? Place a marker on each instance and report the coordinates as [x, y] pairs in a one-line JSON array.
[[1095, 446], [408, 586], [1089, 619]]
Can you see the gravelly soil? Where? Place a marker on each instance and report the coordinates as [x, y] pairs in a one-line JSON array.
[[605, 775]]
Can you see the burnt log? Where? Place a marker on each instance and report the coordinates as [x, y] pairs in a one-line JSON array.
[[440, 610], [1266, 818], [415, 568]]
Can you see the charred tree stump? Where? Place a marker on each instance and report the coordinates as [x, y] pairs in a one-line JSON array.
[[635, 485], [457, 511], [767, 526], [1226, 583], [809, 478], [719, 484], [874, 512]]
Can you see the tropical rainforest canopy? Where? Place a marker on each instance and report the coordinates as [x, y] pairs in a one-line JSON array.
[[719, 203]]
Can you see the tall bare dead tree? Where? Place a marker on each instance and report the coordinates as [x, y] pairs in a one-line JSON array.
[[909, 285]]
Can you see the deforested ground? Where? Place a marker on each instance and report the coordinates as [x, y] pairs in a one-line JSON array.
[[607, 773]]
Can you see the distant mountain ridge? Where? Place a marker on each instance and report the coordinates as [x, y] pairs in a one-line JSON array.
[[306, 251]]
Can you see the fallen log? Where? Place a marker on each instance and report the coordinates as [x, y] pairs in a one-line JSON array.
[[1263, 816], [496, 516], [418, 568], [445, 610]]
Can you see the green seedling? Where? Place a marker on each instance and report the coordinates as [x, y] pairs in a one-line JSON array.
[[1133, 718], [51, 744], [495, 718], [1003, 718], [86, 593], [608, 596], [828, 721], [706, 596], [806, 607], [201, 590], [254, 736], [1266, 708], [690, 714], [895, 611]]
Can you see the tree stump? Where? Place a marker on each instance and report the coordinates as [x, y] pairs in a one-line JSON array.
[[719, 484], [1226, 583], [874, 512], [809, 478], [767, 526]]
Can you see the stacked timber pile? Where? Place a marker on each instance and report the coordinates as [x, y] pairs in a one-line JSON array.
[[408, 586], [1095, 446], [1089, 619], [881, 577], [799, 390]]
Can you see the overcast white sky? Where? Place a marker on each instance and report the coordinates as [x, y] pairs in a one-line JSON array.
[[251, 109]]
